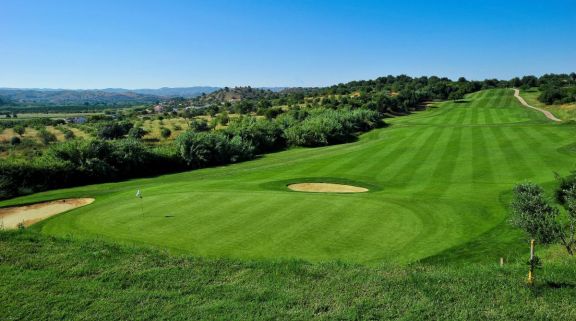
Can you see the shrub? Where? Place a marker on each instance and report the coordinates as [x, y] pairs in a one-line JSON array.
[[532, 212], [325, 126], [114, 130], [264, 135], [199, 125], [46, 137], [19, 129], [212, 148], [136, 132], [15, 140], [165, 132]]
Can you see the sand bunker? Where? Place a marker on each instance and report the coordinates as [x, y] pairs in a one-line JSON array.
[[326, 188], [10, 217]]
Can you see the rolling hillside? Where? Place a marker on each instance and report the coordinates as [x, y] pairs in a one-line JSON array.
[[439, 181]]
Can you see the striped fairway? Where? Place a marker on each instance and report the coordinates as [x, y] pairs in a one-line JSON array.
[[438, 185]]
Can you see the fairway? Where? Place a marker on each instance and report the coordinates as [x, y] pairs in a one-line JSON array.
[[438, 182]]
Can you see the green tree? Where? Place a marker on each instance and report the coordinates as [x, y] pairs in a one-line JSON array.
[[456, 95], [532, 212], [165, 132], [46, 137], [224, 118], [19, 129], [15, 140], [136, 132]]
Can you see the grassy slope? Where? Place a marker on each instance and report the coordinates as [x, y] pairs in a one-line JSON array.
[[42, 278], [440, 180], [563, 111]]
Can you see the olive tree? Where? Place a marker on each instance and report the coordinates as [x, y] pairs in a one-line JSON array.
[[533, 213]]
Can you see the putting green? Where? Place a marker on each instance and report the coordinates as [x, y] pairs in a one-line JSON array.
[[438, 185]]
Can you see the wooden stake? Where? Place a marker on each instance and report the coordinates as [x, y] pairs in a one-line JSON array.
[[501, 262], [531, 271]]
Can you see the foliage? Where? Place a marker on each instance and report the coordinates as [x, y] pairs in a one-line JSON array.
[[19, 129], [136, 132], [165, 132], [199, 125], [68, 134], [200, 149], [15, 140], [46, 137], [325, 127], [114, 130], [264, 135], [557, 95], [533, 213], [80, 162], [543, 222]]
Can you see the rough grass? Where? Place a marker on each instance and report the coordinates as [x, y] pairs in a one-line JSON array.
[[563, 111], [439, 183], [44, 278]]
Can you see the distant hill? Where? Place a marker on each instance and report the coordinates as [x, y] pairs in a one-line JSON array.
[[186, 92], [66, 97], [236, 94], [104, 97], [122, 96]]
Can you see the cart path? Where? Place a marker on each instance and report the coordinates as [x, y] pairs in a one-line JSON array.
[[548, 114]]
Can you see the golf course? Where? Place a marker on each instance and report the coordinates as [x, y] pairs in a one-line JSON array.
[[438, 185]]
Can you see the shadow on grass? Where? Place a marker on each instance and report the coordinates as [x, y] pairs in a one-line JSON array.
[[559, 285]]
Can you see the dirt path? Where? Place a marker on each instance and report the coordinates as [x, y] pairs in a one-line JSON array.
[[548, 114], [10, 217]]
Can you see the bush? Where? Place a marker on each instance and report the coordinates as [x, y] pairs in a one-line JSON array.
[[114, 130], [532, 212], [15, 140], [165, 132], [68, 134], [199, 125], [19, 129], [136, 132], [212, 148], [324, 126], [264, 135], [46, 137]]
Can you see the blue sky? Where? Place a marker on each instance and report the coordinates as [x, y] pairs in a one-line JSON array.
[[149, 44]]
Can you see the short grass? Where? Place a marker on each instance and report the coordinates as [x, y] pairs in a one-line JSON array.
[[440, 182], [42, 278]]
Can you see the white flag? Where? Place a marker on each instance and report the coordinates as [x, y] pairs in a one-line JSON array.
[[138, 194]]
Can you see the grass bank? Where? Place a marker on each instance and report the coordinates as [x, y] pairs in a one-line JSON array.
[[48, 278]]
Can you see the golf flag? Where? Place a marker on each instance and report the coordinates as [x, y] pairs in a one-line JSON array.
[[138, 194]]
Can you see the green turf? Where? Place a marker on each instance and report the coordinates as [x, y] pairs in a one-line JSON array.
[[42, 278], [440, 182]]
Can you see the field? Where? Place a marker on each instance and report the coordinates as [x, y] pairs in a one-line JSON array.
[[32, 115], [439, 183]]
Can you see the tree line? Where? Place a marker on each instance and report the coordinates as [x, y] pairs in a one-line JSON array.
[[87, 161]]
